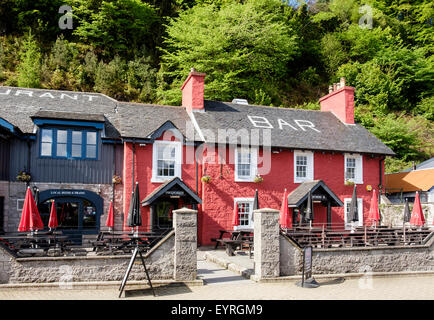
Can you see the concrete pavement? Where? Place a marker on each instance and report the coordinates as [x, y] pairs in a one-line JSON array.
[[224, 284]]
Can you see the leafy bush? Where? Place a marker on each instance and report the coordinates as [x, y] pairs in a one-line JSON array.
[[29, 67], [232, 45]]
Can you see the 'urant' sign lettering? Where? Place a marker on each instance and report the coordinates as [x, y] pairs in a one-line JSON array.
[[49, 95], [262, 122]]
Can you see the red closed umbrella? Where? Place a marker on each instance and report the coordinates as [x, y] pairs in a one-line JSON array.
[[30, 218], [236, 218], [110, 219], [53, 217], [417, 217], [374, 213], [284, 211]]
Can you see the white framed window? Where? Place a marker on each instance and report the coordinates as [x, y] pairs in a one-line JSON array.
[[303, 166], [246, 166], [354, 168], [347, 204], [166, 160], [245, 212]]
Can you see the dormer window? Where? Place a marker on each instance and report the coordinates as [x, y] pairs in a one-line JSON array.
[[63, 143]]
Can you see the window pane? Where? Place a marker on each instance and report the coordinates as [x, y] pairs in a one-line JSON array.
[[62, 136], [46, 149], [90, 151], [61, 150], [77, 137], [244, 163], [243, 213], [91, 137], [301, 167], [76, 150], [46, 135]]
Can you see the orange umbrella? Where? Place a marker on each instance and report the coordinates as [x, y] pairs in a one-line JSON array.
[[30, 218], [236, 218], [374, 213], [284, 211], [110, 219], [53, 217], [417, 217]]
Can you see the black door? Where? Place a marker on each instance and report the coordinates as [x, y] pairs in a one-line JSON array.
[[163, 214], [2, 220]]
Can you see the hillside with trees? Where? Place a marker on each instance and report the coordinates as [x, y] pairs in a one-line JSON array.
[[283, 53]]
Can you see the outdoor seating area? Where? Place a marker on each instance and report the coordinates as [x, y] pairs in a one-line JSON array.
[[237, 240], [367, 236], [54, 243]]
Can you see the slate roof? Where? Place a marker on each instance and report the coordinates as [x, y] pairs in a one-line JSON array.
[[130, 120], [333, 136], [300, 194], [48, 114], [19, 105], [427, 164], [141, 120]]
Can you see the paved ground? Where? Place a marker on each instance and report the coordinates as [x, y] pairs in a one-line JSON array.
[[224, 284]]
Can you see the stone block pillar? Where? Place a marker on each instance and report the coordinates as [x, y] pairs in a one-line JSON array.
[[185, 225], [266, 243]]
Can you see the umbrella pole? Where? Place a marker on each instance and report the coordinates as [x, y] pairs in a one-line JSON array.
[[403, 227]]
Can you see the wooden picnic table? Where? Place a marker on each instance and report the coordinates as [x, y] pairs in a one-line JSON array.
[[113, 241], [238, 238], [234, 235]]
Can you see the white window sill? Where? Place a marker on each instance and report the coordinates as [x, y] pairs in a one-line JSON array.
[[352, 181], [162, 179], [245, 179], [302, 180]]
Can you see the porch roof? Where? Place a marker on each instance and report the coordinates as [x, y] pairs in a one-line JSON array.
[[167, 186], [317, 187]]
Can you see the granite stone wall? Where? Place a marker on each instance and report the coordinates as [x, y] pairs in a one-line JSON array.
[[393, 214], [358, 259], [266, 243], [174, 257], [159, 261]]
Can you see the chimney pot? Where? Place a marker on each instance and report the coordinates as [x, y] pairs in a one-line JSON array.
[[330, 88], [340, 102]]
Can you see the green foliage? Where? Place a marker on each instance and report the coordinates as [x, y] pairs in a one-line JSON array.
[[28, 69], [239, 46], [270, 52], [396, 133], [115, 26]]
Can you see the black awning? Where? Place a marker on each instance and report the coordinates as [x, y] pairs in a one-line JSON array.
[[319, 190], [173, 187]]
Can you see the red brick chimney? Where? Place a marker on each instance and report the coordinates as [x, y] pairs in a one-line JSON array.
[[340, 101], [192, 91]]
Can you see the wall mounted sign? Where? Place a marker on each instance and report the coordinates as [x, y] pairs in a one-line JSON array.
[[175, 193]]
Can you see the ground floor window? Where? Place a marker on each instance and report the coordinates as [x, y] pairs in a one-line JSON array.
[[245, 212], [347, 204], [72, 214]]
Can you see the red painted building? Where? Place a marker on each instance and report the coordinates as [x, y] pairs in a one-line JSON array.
[[211, 155]]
